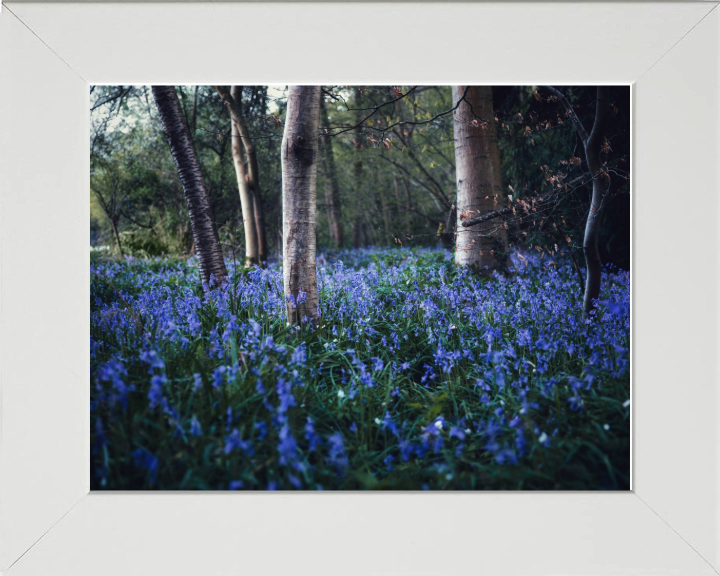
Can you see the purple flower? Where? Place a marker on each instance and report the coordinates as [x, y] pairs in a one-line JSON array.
[[261, 427], [311, 436], [195, 428], [336, 455], [287, 448], [218, 376], [143, 458], [234, 441], [155, 395]]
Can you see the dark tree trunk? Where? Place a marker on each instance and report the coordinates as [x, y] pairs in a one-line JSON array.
[[358, 173], [202, 220], [356, 230], [593, 144], [600, 187], [113, 223], [385, 214], [299, 177], [332, 192]]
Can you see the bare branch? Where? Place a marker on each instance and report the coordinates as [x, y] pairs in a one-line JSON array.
[[509, 209], [571, 114]]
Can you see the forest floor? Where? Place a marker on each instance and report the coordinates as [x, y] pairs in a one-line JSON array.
[[418, 376]]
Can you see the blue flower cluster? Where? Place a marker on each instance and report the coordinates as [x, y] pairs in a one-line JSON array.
[[417, 375]]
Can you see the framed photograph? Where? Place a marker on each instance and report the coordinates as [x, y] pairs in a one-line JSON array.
[[72, 502]]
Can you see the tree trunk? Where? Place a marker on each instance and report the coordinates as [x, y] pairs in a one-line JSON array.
[[479, 186], [113, 223], [386, 214], [253, 172], [358, 172], [202, 220], [600, 186], [332, 192], [246, 200], [593, 146], [299, 177], [194, 116], [356, 230]]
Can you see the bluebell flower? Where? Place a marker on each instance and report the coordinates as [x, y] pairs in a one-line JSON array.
[[336, 455], [155, 395], [143, 458], [261, 427], [388, 462], [234, 441], [312, 437], [218, 376], [195, 427]]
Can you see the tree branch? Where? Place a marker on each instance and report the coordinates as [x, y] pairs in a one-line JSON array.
[[571, 114], [509, 209]]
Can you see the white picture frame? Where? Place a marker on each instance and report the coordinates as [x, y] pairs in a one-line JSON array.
[[669, 524]]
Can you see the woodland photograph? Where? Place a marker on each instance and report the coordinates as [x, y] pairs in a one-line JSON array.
[[360, 287]]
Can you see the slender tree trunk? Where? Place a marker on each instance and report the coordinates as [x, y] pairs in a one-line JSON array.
[[202, 219], [358, 173], [246, 199], [113, 223], [253, 171], [600, 186], [299, 176], [398, 202], [332, 192], [260, 225], [385, 213], [479, 186], [356, 230]]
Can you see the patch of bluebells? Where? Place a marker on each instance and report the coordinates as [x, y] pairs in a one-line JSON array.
[[414, 361]]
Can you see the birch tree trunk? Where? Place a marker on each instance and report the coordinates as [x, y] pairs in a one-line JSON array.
[[479, 185], [332, 192], [246, 199], [202, 219], [299, 177], [253, 171]]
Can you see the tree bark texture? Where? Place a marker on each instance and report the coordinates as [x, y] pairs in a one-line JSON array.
[[246, 199], [202, 219], [479, 183], [253, 171], [299, 178], [332, 192]]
